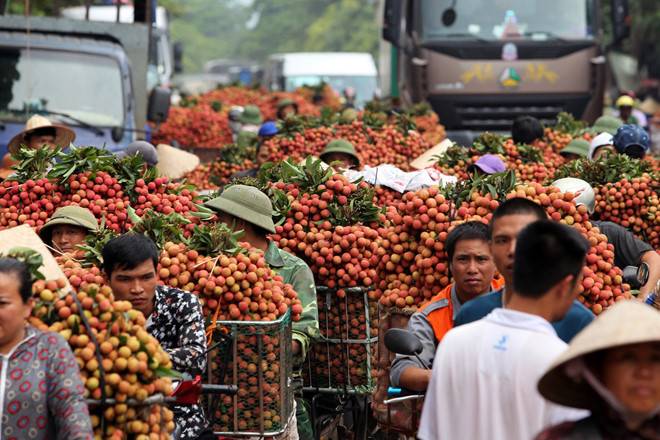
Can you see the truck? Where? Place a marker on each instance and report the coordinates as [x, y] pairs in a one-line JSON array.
[[340, 70], [481, 63], [90, 76], [164, 56]]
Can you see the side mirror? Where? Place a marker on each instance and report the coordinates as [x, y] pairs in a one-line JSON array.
[[402, 342], [620, 20], [159, 105], [177, 48], [392, 22]]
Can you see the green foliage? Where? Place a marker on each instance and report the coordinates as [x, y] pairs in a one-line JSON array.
[[33, 164], [160, 228], [216, 238], [566, 123], [93, 246], [610, 167], [33, 259]]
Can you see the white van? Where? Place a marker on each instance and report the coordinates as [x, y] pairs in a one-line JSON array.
[[341, 70], [161, 57]]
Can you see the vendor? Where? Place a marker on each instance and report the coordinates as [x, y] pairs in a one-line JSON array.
[[174, 316], [67, 228], [141, 148], [631, 140], [576, 149], [611, 368], [267, 131], [286, 108], [251, 211], [341, 151], [248, 134], [600, 145], [43, 395], [40, 132]]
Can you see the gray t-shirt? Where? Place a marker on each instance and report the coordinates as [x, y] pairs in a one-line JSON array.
[[628, 249]]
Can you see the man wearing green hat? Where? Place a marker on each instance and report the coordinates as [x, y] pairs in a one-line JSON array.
[[286, 108], [248, 134], [250, 210], [341, 151], [575, 149], [68, 228]]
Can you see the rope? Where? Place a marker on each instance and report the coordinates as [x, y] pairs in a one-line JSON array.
[[213, 326]]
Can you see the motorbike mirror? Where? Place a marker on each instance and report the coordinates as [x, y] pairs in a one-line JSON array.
[[636, 276], [402, 342]]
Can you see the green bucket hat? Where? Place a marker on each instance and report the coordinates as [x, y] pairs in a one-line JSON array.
[[69, 215], [577, 146], [606, 124], [247, 203], [283, 103], [341, 146], [251, 115]]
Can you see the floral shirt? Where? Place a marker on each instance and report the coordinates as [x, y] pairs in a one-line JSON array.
[[41, 393], [178, 324]]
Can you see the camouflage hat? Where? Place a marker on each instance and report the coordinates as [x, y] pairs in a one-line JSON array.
[[606, 124], [251, 115], [341, 146], [69, 215], [577, 146], [247, 203]]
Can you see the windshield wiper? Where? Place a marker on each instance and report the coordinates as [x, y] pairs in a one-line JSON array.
[[82, 123], [465, 35], [547, 34]]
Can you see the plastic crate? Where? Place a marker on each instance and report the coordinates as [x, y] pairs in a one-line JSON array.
[[398, 417], [343, 360], [260, 366]]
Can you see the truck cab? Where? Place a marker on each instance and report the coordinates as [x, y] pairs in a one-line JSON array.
[[88, 76]]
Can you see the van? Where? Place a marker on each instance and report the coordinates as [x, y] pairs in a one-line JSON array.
[[341, 70]]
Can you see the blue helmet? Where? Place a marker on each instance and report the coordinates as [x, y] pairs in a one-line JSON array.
[[267, 129]]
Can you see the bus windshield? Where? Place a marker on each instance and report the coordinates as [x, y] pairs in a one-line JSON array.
[[498, 20], [85, 86], [365, 86]]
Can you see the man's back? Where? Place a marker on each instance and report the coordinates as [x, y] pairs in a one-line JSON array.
[[485, 383], [575, 320]]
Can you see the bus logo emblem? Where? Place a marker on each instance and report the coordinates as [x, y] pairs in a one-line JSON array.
[[509, 79]]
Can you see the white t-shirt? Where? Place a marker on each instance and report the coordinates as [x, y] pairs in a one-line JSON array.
[[484, 380]]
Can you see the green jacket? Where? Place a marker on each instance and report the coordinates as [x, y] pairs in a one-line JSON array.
[[246, 139], [296, 272]]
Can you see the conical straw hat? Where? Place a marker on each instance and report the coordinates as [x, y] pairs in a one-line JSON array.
[[174, 163], [63, 135], [627, 322]]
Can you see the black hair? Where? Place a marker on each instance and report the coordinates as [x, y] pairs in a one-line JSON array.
[[41, 131], [472, 230], [546, 253], [127, 252], [10, 266], [517, 206], [526, 129]]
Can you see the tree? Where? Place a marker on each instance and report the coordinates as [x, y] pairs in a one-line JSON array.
[[347, 25]]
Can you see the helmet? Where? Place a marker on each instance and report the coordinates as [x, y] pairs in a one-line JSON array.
[[235, 112], [583, 192], [286, 102], [247, 203], [69, 215], [625, 101], [599, 141], [251, 115], [341, 146]]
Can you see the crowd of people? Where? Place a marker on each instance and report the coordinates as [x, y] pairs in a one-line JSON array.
[[508, 351]]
